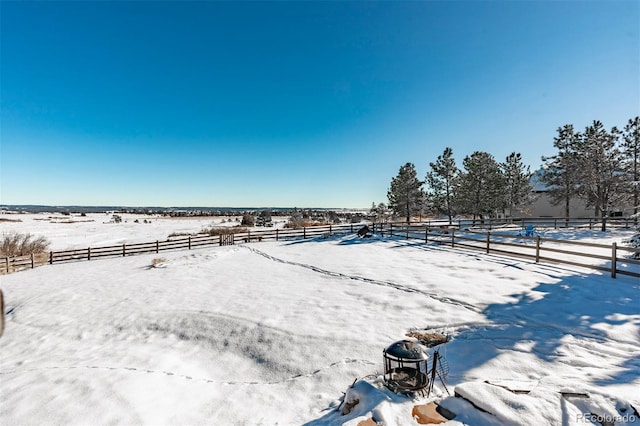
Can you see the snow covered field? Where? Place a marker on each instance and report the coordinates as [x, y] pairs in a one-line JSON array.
[[98, 229], [275, 332]]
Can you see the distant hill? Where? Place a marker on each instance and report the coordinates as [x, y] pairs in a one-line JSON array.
[[34, 208]]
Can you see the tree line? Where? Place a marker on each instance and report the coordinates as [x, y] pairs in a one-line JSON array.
[[597, 165]]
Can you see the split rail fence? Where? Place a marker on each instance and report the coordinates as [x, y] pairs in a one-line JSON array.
[[603, 257], [542, 222], [11, 264], [609, 258]]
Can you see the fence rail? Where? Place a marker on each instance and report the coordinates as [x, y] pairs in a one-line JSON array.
[[532, 247], [12, 264], [543, 222], [455, 235]]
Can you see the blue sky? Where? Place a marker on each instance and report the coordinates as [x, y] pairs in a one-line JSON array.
[[307, 104]]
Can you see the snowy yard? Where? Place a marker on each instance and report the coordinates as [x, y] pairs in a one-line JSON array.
[[275, 332]]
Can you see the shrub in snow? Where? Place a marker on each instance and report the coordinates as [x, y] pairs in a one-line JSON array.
[[634, 242], [183, 234], [295, 220], [158, 262], [224, 230], [248, 220], [429, 339], [15, 244]]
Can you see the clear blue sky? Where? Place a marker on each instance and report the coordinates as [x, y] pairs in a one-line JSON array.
[[307, 104]]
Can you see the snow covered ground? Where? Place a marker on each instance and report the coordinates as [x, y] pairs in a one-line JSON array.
[[98, 229], [275, 333]]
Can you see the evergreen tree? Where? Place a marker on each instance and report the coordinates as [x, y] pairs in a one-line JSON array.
[[405, 194], [561, 171], [382, 211], [516, 180], [631, 155], [601, 170], [378, 211], [440, 183], [480, 187]]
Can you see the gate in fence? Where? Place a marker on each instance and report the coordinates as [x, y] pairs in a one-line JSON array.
[[227, 239]]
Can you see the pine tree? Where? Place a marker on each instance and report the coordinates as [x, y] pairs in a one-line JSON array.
[[601, 170], [561, 170], [631, 155], [440, 183], [378, 211], [405, 194], [516, 180], [480, 187]]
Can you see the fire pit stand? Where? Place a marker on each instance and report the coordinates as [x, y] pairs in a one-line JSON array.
[[405, 367]]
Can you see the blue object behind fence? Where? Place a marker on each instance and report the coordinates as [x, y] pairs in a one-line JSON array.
[[529, 231]]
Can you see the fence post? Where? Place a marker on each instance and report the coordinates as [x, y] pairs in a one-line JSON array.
[[158, 245], [426, 234], [32, 263], [50, 259], [407, 230], [88, 253], [331, 232], [488, 241], [6, 259], [453, 237], [555, 223], [276, 234], [537, 248], [614, 262], [189, 242]]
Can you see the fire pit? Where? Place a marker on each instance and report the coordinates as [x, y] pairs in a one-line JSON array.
[[405, 366]]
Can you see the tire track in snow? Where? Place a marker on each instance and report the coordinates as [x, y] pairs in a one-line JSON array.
[[434, 296], [186, 377]]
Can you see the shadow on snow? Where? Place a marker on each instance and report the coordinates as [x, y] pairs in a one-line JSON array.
[[579, 305], [544, 320]]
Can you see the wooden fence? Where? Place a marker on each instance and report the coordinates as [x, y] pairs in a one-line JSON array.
[[595, 256], [542, 222], [589, 255], [12, 264]]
